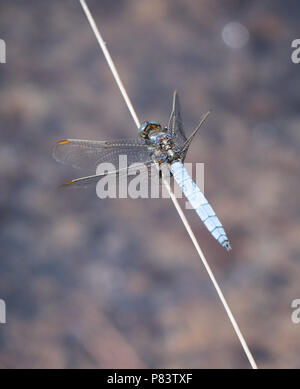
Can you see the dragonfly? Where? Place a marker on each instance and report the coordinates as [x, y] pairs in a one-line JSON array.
[[153, 145]]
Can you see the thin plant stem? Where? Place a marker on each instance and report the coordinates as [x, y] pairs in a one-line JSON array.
[[172, 195]]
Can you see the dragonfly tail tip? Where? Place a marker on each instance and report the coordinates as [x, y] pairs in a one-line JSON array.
[[227, 246]]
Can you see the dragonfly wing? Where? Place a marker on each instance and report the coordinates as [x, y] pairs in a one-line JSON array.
[[146, 171], [175, 124], [88, 154], [188, 142]]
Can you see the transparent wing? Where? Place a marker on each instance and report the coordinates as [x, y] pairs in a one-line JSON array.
[[148, 171], [88, 154], [175, 124], [188, 142]]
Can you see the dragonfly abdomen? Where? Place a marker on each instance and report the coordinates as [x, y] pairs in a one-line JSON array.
[[199, 203]]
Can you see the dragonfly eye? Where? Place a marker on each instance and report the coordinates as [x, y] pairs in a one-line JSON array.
[[155, 124], [146, 127], [143, 129]]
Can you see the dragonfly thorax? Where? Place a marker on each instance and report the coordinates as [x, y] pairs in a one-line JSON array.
[[160, 143]]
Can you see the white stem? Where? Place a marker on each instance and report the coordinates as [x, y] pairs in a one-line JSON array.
[[175, 202], [110, 62]]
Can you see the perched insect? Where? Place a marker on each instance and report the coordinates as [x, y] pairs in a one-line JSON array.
[[155, 145]]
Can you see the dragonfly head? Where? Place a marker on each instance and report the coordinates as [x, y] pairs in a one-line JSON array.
[[148, 127]]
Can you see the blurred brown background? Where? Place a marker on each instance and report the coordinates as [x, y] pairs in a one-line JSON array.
[[117, 283]]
